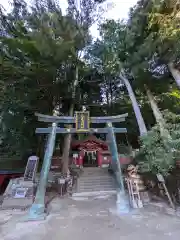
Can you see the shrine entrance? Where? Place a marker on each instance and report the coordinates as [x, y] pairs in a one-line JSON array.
[[90, 159], [80, 123], [91, 152]]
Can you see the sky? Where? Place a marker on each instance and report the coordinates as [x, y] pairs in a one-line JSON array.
[[119, 10]]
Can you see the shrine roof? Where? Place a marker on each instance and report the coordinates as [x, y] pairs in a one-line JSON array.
[[91, 138]]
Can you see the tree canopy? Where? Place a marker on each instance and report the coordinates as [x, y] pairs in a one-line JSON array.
[[49, 61]]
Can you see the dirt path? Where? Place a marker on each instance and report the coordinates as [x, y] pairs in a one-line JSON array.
[[85, 220]]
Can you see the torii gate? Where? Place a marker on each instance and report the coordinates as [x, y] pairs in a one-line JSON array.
[[82, 122]]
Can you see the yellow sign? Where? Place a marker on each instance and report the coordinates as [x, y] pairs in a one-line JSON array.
[[82, 121]]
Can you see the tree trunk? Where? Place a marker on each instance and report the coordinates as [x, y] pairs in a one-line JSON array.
[[67, 144], [175, 73], [136, 108], [68, 137], [157, 114], [111, 97]]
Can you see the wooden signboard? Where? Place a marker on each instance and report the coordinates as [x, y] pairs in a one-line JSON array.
[[31, 168], [82, 121], [160, 178], [20, 192], [61, 181]]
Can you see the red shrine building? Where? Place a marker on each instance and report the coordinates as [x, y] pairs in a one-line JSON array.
[[90, 152]]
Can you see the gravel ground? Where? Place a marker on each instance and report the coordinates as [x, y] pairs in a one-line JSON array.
[[90, 219]]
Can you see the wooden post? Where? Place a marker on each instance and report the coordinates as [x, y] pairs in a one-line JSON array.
[[162, 181], [169, 197]]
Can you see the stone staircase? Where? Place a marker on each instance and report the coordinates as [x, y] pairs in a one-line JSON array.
[[95, 181]]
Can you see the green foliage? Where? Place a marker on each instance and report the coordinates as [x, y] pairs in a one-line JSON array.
[[39, 54], [40, 49], [124, 150], [159, 157], [161, 154]]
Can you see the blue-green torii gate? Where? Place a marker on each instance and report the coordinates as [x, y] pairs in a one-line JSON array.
[[37, 210]]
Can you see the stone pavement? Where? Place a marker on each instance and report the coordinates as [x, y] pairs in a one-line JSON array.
[[90, 219]]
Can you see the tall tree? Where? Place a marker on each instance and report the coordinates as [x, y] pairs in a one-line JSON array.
[[113, 60], [83, 12], [153, 29], [39, 52]]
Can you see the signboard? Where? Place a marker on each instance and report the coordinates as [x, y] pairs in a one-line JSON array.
[[61, 180], [31, 168], [20, 192], [160, 178], [82, 121]]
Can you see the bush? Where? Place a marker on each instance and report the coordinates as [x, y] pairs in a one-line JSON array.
[[158, 153]]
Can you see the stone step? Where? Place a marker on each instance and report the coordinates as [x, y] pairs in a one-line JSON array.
[[95, 179], [95, 170], [95, 189], [94, 193], [97, 182], [96, 186], [110, 183], [93, 174], [96, 174], [90, 183], [92, 169]]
